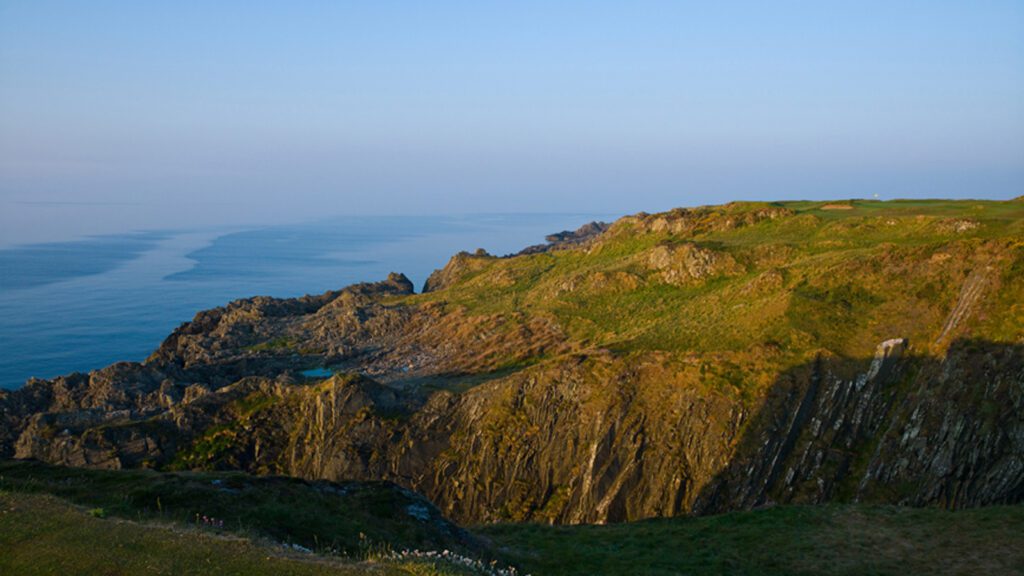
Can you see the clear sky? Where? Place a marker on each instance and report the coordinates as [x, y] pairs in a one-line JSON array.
[[284, 110]]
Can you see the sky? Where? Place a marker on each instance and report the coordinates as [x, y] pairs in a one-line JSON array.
[[166, 113]]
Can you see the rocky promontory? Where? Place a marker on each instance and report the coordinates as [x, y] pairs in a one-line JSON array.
[[694, 361]]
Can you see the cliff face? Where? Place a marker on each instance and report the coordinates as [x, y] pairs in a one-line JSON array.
[[694, 361], [916, 431]]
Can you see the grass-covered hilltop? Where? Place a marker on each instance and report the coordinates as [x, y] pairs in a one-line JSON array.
[[853, 355]]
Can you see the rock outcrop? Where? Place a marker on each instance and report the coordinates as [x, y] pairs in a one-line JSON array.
[[688, 263], [460, 266], [568, 239], [603, 382]]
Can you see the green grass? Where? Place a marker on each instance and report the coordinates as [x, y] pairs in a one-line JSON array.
[[219, 440], [835, 274], [791, 540], [42, 535], [345, 518], [134, 522], [282, 343]]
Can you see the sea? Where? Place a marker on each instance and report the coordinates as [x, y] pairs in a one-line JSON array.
[[84, 303]]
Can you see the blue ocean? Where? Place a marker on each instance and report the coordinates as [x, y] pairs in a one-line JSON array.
[[83, 304]]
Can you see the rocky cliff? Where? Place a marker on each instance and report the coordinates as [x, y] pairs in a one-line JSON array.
[[698, 360]]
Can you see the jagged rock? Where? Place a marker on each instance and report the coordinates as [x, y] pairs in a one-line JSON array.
[[958, 225], [683, 264], [693, 221], [593, 392], [568, 238]]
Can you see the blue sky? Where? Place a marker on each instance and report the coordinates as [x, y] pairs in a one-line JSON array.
[[278, 110]]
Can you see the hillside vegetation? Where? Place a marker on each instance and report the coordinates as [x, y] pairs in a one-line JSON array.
[[798, 277], [106, 523], [694, 361]]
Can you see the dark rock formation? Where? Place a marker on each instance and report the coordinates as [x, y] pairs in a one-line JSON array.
[[568, 238]]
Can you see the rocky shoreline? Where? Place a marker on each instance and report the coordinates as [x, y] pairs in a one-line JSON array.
[[521, 412]]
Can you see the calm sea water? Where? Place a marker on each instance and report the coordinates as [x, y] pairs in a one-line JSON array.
[[81, 305]]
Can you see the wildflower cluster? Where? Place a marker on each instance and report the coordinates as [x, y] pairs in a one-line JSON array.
[[204, 520], [476, 565]]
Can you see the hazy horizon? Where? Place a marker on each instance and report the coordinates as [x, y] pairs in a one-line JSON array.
[[117, 116]]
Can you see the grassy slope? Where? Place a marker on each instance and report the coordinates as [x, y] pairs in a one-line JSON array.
[[57, 520], [347, 519], [41, 534], [817, 279], [787, 540]]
